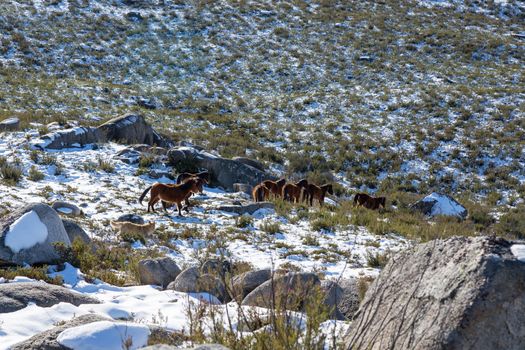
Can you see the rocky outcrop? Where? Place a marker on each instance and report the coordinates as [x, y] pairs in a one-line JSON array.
[[216, 267], [224, 172], [70, 138], [439, 204], [333, 294], [132, 129], [47, 340], [16, 296], [9, 124], [251, 162], [247, 208], [28, 235], [160, 271], [134, 218], [290, 291], [459, 293], [244, 188]]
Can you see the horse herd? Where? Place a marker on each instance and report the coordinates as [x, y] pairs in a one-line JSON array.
[[188, 184]]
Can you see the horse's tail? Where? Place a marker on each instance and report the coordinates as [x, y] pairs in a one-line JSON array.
[[144, 194]]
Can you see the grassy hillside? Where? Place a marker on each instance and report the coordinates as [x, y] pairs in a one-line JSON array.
[[390, 96]]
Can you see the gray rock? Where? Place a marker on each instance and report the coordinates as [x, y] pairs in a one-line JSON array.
[[134, 218], [157, 174], [291, 291], [333, 294], [251, 162], [69, 138], [66, 208], [159, 271], [10, 124], [40, 252], [244, 283], [16, 296], [192, 281], [216, 267], [132, 129], [439, 204], [74, 231], [246, 209], [224, 172], [459, 293], [348, 302], [245, 188], [198, 347], [47, 340]]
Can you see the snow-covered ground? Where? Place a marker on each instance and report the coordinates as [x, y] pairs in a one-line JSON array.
[[105, 196]]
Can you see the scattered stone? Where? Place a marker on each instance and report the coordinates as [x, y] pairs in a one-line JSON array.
[[246, 209], [439, 204], [159, 271], [134, 218], [245, 283], [16, 296], [42, 251], [216, 267], [132, 129], [47, 340], [10, 124], [333, 295], [66, 208], [191, 281], [157, 174], [76, 137], [290, 291], [134, 16], [74, 231], [458, 293], [348, 302]]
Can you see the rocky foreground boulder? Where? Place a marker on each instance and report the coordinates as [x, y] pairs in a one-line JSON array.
[[16, 296], [459, 293], [28, 235], [224, 172], [159, 271], [9, 124], [191, 280]]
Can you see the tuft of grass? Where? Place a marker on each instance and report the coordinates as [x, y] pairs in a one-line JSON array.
[[271, 227], [377, 259], [34, 272], [105, 165], [35, 174], [10, 173], [243, 221]]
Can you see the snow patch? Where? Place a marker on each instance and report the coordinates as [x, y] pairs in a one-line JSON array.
[[519, 251], [26, 232], [444, 205], [104, 335]]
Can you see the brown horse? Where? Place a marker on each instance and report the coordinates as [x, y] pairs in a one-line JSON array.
[[172, 193], [318, 192], [369, 202], [166, 205], [292, 192], [260, 193], [275, 187], [203, 175]]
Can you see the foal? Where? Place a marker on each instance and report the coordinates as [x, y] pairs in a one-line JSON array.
[[369, 202], [292, 192], [260, 193], [172, 193], [318, 192]]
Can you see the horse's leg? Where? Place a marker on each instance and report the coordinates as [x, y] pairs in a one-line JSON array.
[[321, 201], [179, 207]]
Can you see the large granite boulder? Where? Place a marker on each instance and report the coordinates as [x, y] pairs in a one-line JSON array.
[[246, 208], [459, 293], [47, 340], [16, 296], [224, 172], [66, 208], [28, 235], [192, 281], [69, 138], [251, 162], [290, 291], [74, 231], [159, 271], [245, 283], [132, 129], [439, 204]]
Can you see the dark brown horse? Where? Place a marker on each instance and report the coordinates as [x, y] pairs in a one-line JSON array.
[[312, 192], [260, 193], [275, 187], [171, 193], [203, 175], [293, 192], [369, 202]]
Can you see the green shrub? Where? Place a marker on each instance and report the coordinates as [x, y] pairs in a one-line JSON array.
[[271, 227], [377, 259], [35, 174], [11, 173], [243, 221]]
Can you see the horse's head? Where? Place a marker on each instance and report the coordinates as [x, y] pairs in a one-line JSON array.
[[196, 184]]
